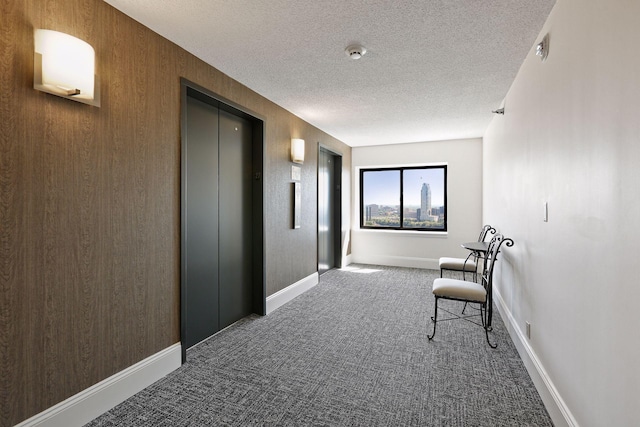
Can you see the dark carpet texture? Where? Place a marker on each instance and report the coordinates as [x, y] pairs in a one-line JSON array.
[[352, 351]]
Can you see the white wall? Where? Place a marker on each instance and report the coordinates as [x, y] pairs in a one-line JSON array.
[[570, 136], [464, 199]]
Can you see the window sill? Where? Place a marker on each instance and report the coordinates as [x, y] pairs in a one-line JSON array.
[[408, 233]]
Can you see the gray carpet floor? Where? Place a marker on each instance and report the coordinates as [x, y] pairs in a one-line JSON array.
[[352, 351]]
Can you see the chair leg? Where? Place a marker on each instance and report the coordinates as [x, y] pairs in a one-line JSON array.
[[434, 318], [485, 315], [489, 315], [486, 332]]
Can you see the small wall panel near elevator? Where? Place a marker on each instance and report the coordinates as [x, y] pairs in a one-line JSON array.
[[218, 212]]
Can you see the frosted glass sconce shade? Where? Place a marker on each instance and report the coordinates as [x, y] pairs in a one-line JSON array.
[[65, 66], [297, 150]]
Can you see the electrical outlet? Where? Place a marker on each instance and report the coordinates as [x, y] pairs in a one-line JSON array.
[[528, 328]]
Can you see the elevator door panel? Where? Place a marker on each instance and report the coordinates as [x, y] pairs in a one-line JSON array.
[[201, 240], [235, 233], [326, 209]]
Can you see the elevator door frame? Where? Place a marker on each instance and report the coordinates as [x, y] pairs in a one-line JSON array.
[[190, 89]]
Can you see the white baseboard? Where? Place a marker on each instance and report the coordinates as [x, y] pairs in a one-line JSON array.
[[285, 295], [347, 260], [398, 261], [557, 408], [99, 398]]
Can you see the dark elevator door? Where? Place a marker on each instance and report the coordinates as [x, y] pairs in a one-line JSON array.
[[329, 169], [218, 238]]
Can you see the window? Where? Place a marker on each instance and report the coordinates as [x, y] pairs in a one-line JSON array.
[[404, 198]]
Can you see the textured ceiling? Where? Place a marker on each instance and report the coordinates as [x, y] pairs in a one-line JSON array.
[[434, 69]]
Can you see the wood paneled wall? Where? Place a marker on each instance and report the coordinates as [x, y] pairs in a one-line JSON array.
[[90, 203]]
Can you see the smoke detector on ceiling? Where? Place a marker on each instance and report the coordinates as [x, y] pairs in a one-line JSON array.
[[355, 51]]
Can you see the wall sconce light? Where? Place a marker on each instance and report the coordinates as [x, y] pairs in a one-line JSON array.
[[297, 150], [65, 66]]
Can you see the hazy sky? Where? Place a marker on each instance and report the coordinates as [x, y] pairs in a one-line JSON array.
[[383, 187]]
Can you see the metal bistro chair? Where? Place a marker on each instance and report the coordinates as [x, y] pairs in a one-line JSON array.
[[468, 264], [481, 293]]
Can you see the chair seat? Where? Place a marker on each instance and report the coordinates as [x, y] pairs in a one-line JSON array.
[[457, 264], [459, 289]]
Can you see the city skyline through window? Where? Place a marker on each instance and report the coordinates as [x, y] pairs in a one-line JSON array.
[[404, 198]]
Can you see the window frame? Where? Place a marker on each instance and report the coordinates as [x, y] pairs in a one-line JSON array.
[[401, 169]]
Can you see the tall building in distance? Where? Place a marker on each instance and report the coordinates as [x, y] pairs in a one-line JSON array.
[[425, 202], [371, 211]]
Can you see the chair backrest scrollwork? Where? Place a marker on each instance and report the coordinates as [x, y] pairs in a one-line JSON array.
[[490, 260], [486, 230]]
